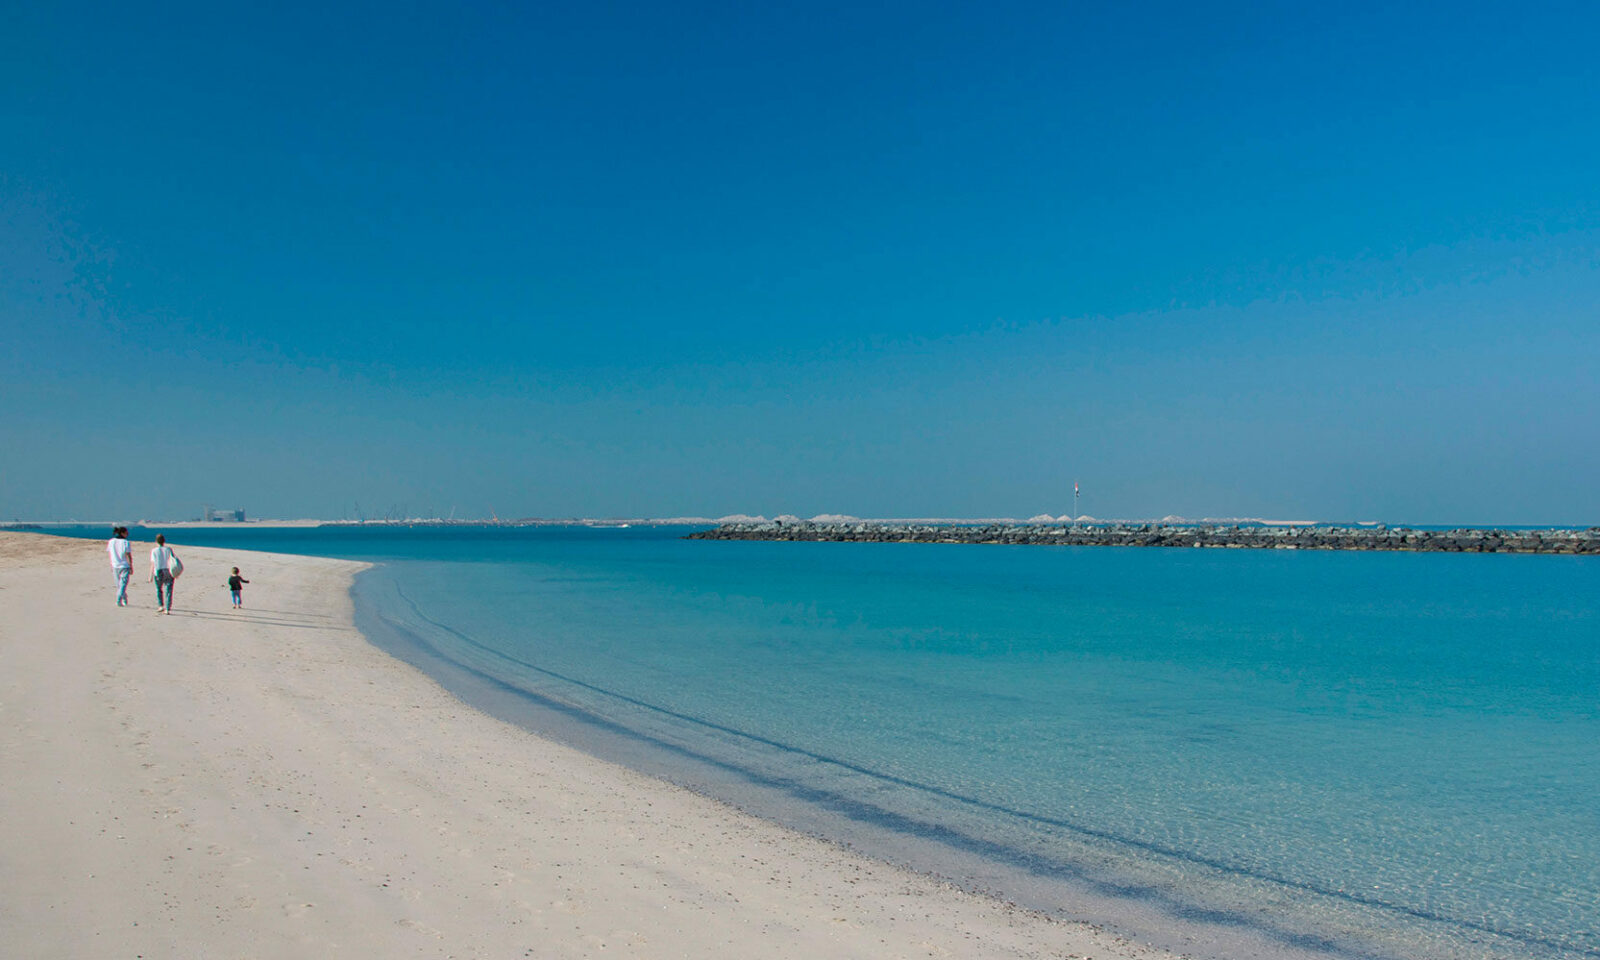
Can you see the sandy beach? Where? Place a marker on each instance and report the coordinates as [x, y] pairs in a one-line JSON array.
[[265, 783]]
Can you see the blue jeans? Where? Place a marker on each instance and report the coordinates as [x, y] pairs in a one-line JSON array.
[[122, 583], [236, 600], [164, 579]]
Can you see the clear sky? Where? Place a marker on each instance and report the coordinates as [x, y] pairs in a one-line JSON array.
[[885, 259]]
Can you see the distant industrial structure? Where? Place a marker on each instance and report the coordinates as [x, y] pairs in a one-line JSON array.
[[222, 516]]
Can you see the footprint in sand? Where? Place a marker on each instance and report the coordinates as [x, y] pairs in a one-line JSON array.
[[421, 928]]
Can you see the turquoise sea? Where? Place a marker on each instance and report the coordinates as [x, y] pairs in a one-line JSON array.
[[1342, 754]]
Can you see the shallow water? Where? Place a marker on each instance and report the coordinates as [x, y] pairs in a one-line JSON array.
[[1363, 754]]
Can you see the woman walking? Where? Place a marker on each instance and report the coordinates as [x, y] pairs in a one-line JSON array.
[[164, 569]]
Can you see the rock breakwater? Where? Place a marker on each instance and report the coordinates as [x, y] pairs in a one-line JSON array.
[[1467, 540]]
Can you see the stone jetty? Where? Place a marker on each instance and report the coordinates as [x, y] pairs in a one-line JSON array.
[[1239, 536]]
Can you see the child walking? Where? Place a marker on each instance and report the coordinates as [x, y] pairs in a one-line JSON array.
[[236, 584]]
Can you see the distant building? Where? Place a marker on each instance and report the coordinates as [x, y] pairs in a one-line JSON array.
[[224, 516]]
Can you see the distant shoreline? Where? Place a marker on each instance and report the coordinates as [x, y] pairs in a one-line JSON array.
[[1170, 532], [1223, 536], [45, 526]]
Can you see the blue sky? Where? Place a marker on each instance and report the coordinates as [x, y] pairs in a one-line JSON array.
[[887, 260]]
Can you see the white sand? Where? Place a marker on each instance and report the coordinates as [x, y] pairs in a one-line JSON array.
[[264, 783]]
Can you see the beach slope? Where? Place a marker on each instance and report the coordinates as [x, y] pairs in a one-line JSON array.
[[265, 783]]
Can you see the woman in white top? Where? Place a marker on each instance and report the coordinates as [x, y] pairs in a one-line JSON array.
[[121, 553], [161, 572]]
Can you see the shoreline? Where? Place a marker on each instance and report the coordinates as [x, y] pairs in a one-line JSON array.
[[270, 783], [1153, 894], [1147, 906]]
